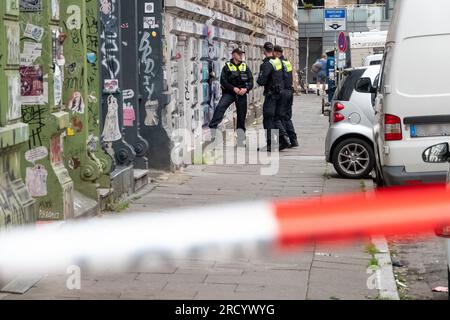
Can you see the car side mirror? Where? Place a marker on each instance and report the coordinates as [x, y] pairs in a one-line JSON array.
[[437, 154], [364, 85]]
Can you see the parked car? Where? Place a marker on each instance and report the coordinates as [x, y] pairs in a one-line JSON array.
[[413, 102], [373, 60], [349, 142]]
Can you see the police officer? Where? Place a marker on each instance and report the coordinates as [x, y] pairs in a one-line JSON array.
[[271, 77], [236, 81], [288, 97]]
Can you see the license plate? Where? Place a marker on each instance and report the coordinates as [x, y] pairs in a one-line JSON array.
[[430, 130]]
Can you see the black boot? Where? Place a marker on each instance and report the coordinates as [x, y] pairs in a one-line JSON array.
[[285, 143], [294, 143]]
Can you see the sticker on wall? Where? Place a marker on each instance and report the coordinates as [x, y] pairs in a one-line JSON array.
[[109, 20], [31, 52], [13, 42], [57, 86], [150, 23], [92, 142], [36, 154], [12, 7], [30, 5], [77, 124], [76, 103], [111, 130], [55, 9], [105, 7], [149, 7], [34, 91], [56, 149], [15, 105], [91, 57], [128, 94], [129, 115], [74, 163], [111, 85], [151, 110], [33, 32], [36, 180]]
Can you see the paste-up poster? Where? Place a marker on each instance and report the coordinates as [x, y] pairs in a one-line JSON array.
[[76, 103], [111, 130], [33, 89], [30, 5], [14, 102], [36, 180], [13, 42]]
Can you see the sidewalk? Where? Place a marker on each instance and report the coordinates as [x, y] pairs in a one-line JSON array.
[[313, 272]]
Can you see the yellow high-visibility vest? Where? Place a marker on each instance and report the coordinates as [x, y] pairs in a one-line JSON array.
[[288, 66], [233, 68], [277, 64]]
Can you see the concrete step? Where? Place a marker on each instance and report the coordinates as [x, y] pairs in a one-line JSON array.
[[103, 198], [84, 206], [141, 178], [122, 182], [21, 285]]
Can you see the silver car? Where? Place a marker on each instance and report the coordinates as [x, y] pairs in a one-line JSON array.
[[349, 144]]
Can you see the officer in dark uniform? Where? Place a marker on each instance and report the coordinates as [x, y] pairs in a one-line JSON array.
[[288, 97], [271, 77], [236, 81]]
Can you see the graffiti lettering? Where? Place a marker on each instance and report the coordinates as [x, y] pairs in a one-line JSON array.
[[110, 47], [34, 117], [145, 49]]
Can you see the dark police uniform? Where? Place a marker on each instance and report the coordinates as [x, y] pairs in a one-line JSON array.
[[271, 77], [288, 100], [233, 76]]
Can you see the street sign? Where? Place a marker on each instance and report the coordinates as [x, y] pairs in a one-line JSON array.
[[335, 19], [342, 60], [342, 42]]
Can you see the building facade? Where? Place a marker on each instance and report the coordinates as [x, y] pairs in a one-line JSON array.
[[94, 93], [362, 16]]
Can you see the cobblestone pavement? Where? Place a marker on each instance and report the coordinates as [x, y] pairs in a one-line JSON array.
[[312, 272]]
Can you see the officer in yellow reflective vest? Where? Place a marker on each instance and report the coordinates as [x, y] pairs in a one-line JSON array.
[[236, 81], [288, 97], [271, 77]]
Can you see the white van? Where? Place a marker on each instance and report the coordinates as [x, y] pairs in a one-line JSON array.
[[413, 103], [373, 60]]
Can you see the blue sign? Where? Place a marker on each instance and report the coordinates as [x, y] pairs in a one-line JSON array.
[[335, 13], [335, 19]]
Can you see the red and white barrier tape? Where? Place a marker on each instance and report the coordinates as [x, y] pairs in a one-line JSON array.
[[114, 242]]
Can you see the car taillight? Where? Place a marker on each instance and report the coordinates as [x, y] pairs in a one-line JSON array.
[[393, 128], [443, 232], [337, 117], [338, 107]]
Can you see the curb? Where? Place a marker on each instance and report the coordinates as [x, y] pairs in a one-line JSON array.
[[386, 279]]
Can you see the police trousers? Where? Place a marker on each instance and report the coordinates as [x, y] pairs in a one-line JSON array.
[[272, 116], [286, 113], [224, 103]]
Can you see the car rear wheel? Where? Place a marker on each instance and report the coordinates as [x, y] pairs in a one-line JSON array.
[[353, 158]]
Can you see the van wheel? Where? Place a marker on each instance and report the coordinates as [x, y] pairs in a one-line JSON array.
[[353, 158]]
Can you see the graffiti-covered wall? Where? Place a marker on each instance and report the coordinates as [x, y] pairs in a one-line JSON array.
[[92, 92]]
